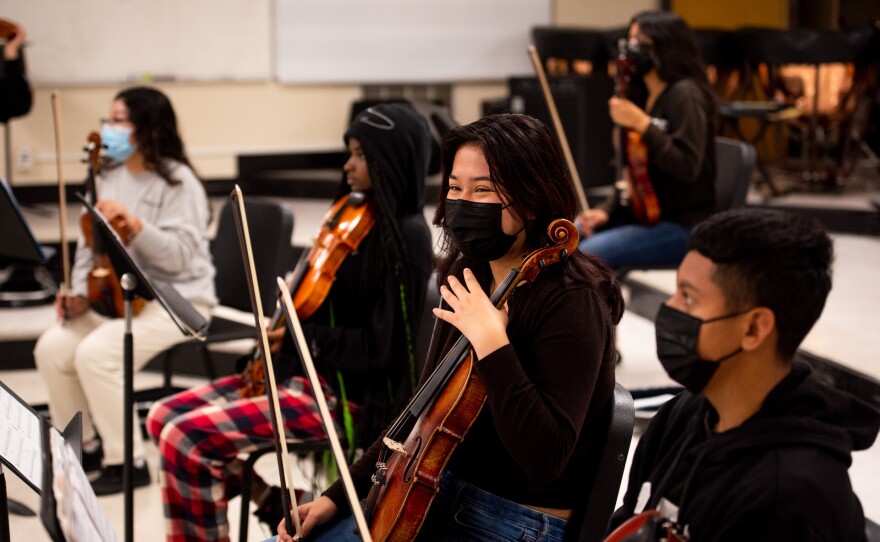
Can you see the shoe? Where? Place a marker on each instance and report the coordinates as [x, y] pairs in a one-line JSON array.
[[91, 461], [110, 480], [271, 512]]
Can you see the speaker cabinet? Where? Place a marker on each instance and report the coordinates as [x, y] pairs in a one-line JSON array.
[[582, 103]]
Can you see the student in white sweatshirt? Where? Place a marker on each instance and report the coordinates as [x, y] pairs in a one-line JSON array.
[[150, 186]]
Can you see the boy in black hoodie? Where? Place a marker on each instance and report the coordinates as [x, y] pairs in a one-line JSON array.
[[756, 447]]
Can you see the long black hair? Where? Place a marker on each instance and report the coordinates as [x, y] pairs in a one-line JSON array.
[[526, 167], [155, 129], [677, 55]]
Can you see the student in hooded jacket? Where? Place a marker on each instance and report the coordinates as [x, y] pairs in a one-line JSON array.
[[757, 447]]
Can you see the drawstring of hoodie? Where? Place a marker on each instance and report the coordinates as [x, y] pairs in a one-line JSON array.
[[657, 493]]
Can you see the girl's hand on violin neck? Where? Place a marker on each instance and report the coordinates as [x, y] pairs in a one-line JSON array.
[[589, 220], [627, 114], [112, 210], [276, 339], [11, 48], [311, 514], [474, 315], [77, 305]]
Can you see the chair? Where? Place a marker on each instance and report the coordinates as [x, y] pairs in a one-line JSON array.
[[590, 522], [294, 446], [735, 161], [271, 228]]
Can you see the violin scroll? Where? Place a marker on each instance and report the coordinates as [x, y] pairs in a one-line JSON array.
[[563, 241]]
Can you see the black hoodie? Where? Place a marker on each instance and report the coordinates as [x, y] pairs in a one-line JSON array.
[[358, 336], [781, 475]]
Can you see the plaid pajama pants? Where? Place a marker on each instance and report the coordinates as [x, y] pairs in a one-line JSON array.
[[200, 432]]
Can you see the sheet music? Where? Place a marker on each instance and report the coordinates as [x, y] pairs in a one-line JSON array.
[[79, 514], [20, 438]]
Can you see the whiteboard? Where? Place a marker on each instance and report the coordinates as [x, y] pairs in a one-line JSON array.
[[114, 41], [404, 41]]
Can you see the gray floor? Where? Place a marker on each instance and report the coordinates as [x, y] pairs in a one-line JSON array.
[[846, 333]]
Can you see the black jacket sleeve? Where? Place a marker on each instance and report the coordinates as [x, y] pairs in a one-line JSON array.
[[15, 92]]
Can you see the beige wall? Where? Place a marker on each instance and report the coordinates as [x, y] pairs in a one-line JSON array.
[[221, 120]]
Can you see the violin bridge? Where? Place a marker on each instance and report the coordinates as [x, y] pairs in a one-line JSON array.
[[394, 446]]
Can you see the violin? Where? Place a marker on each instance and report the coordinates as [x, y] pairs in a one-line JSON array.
[[8, 29], [441, 413], [104, 290], [632, 154], [649, 526], [345, 225]]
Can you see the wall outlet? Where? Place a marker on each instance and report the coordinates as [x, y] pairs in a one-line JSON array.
[[25, 159]]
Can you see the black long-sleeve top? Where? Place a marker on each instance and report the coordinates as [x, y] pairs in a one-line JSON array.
[[534, 440], [15, 92], [681, 155], [358, 330], [781, 475]]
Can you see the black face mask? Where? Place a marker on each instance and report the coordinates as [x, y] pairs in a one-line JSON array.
[[639, 55], [475, 229], [677, 334]]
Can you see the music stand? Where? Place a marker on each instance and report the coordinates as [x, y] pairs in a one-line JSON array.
[[135, 283], [22, 450], [69, 509], [20, 249]]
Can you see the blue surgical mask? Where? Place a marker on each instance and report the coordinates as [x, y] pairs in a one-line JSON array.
[[117, 140]]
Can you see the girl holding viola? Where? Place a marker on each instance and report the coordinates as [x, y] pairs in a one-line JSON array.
[[672, 107], [546, 358], [150, 189], [361, 338]]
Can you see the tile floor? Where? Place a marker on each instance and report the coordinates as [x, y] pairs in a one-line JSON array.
[[846, 333]]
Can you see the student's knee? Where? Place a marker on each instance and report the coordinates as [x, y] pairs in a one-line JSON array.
[[51, 354], [94, 357]]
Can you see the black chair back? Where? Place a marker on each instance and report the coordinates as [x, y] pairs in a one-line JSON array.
[[734, 162], [590, 523], [271, 227]]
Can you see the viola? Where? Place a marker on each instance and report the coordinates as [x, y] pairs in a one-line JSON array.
[[437, 419], [632, 154], [649, 526], [345, 225], [104, 290]]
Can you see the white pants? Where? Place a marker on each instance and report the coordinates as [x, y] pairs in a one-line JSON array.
[[81, 362]]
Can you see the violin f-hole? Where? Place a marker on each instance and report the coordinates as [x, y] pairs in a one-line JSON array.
[[411, 462]]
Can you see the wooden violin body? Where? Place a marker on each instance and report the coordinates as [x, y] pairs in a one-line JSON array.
[[414, 476], [649, 526], [104, 290], [633, 156], [440, 415], [345, 225]]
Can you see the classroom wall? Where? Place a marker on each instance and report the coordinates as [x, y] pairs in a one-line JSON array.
[[220, 120]]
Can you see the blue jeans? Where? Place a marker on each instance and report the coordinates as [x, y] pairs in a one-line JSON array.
[[634, 245], [462, 512]]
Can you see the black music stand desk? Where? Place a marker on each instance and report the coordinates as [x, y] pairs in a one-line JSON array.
[[136, 283]]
